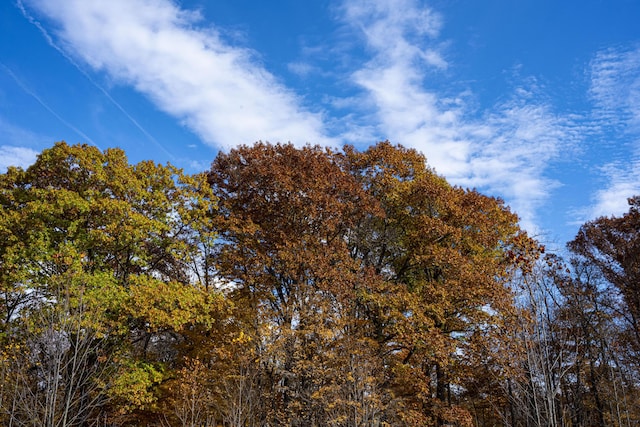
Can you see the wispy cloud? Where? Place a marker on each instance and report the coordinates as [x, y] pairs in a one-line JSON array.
[[11, 134], [615, 86], [226, 97], [395, 30], [219, 91], [20, 146], [513, 147], [16, 156], [615, 92], [623, 181], [505, 152]]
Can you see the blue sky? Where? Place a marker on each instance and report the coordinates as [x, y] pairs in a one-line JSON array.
[[533, 101]]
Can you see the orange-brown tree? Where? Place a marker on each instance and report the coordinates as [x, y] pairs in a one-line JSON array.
[[612, 245], [608, 248], [370, 287], [449, 254], [284, 216], [596, 389]]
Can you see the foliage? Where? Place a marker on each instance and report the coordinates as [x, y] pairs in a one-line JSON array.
[[302, 287], [98, 267], [333, 251]]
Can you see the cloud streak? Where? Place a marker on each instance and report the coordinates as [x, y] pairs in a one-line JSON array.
[[52, 43], [227, 97], [44, 105], [217, 90], [623, 181]]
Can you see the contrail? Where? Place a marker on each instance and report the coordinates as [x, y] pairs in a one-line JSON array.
[[51, 43], [44, 104]]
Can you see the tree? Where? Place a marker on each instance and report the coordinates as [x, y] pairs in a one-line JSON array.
[[287, 286], [540, 356], [99, 276], [570, 369], [613, 246], [364, 266], [284, 214], [595, 390], [608, 249], [450, 254]]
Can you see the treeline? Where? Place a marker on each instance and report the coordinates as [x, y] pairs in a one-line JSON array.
[[303, 287]]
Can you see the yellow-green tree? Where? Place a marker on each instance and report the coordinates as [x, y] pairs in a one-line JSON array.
[[102, 269]]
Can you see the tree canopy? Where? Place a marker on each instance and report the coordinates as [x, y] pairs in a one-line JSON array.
[[307, 286]]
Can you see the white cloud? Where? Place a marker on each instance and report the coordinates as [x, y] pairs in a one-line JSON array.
[[623, 181], [16, 156], [615, 91], [393, 27], [11, 134], [225, 95], [219, 91], [302, 69], [615, 86], [505, 153], [512, 148], [17, 141], [67, 56]]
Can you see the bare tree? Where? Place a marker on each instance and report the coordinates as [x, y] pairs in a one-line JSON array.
[[60, 372]]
